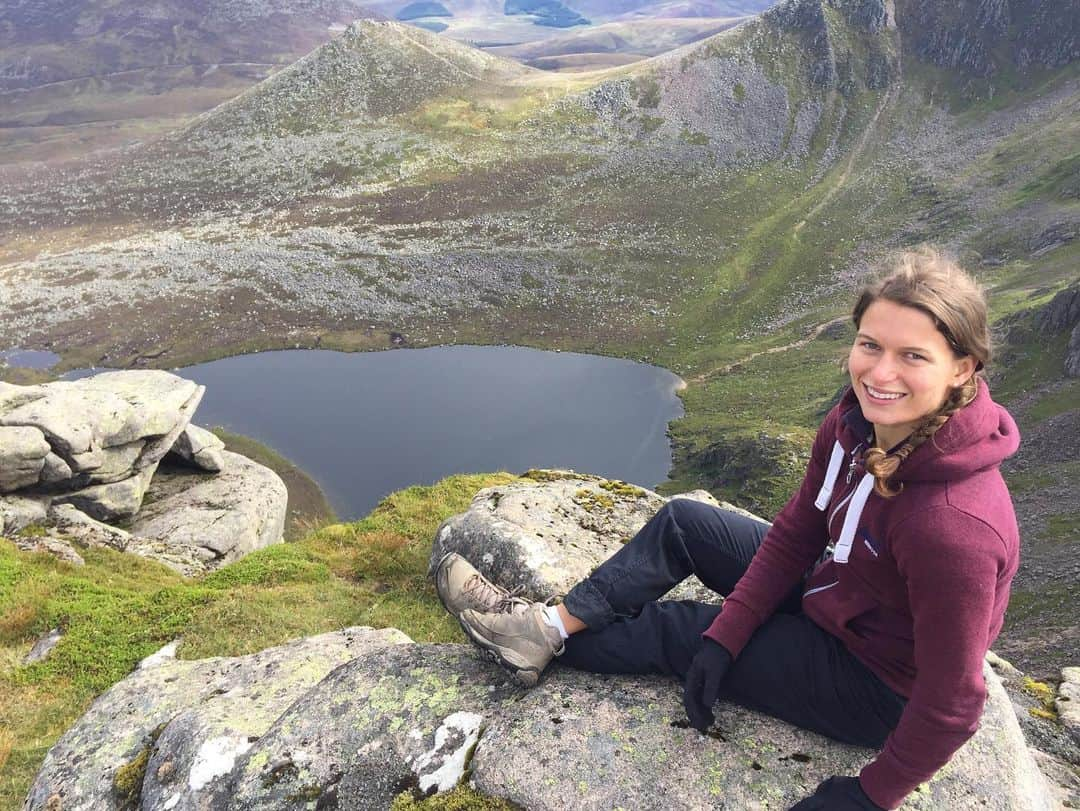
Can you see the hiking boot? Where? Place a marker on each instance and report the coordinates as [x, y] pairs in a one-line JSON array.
[[460, 586], [521, 641]]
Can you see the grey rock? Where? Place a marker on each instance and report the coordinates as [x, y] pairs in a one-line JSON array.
[[55, 469], [22, 456], [1072, 354], [398, 717], [113, 501], [199, 447], [86, 530], [1061, 313], [286, 727], [163, 655], [192, 715], [43, 646], [619, 743], [210, 520], [1067, 702], [103, 428], [547, 535], [20, 511], [50, 544]]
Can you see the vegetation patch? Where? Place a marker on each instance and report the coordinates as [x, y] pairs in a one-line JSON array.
[[462, 798], [128, 779], [534, 475], [617, 487], [1044, 694], [591, 501]]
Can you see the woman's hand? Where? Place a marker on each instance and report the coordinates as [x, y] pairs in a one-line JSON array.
[[702, 686], [838, 794]]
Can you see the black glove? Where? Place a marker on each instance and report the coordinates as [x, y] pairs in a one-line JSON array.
[[702, 686], [838, 794]]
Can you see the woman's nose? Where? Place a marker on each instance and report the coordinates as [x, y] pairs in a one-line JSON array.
[[884, 369]]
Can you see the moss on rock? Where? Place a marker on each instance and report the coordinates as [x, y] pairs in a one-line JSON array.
[[128, 779], [462, 798]]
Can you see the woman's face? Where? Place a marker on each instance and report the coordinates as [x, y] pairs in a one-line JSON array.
[[902, 369]]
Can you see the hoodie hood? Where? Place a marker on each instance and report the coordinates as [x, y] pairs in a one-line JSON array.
[[978, 436]]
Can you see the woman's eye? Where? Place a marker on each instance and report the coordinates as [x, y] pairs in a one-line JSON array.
[[916, 356], [870, 345]]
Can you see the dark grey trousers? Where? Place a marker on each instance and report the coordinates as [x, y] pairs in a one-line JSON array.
[[791, 668]]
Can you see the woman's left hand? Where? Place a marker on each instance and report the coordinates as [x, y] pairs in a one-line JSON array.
[[702, 686], [838, 794]]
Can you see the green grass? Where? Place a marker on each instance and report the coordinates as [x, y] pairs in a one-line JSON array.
[[1064, 399], [119, 608]]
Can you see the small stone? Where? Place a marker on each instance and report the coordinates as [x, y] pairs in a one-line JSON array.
[[43, 646]]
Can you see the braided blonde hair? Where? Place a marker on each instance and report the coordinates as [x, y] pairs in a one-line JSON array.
[[929, 281]]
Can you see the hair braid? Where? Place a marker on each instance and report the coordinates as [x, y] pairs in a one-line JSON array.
[[882, 466]]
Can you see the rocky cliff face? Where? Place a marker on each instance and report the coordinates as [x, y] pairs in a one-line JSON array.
[[984, 38]]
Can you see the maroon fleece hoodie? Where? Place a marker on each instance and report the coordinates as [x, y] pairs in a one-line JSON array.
[[917, 584]]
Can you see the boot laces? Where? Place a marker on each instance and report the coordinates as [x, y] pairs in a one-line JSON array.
[[486, 593]]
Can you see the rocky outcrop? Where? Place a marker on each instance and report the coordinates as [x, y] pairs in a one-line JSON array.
[[195, 522], [200, 448], [546, 533], [354, 718], [1060, 314], [985, 37], [103, 435], [75, 456], [175, 729], [1067, 701]]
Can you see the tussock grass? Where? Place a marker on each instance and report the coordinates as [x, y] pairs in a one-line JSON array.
[[119, 608]]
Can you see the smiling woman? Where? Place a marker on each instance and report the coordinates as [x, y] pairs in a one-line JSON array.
[[865, 611]]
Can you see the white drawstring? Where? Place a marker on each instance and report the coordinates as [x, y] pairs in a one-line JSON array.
[[851, 520], [825, 493]]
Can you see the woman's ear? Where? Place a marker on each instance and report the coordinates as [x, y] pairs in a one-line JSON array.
[[963, 370]]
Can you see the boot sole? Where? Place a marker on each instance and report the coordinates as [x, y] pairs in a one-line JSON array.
[[527, 676]]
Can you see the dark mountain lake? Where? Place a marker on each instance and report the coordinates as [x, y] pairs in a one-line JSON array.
[[365, 424]]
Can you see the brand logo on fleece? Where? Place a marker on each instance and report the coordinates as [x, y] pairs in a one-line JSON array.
[[869, 542]]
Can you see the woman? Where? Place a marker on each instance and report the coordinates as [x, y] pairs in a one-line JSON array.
[[865, 610]]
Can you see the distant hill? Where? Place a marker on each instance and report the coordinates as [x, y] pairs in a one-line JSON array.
[[425, 8], [47, 41], [374, 69], [635, 38], [621, 9], [78, 75], [551, 13]]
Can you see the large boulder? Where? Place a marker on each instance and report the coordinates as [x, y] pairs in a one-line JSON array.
[[177, 728], [209, 521], [104, 428], [352, 719], [548, 531]]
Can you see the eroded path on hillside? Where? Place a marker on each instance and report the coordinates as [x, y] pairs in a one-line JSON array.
[[704, 377], [887, 101]]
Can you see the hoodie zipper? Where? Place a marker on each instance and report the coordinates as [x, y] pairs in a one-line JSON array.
[[816, 589], [852, 467]]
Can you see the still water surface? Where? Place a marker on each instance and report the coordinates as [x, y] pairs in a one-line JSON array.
[[365, 424]]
